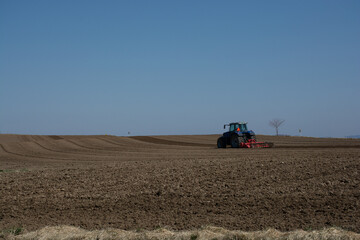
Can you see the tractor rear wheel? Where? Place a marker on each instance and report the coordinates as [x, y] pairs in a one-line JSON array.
[[221, 142], [235, 141]]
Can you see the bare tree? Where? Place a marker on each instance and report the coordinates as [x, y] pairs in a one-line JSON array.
[[276, 123]]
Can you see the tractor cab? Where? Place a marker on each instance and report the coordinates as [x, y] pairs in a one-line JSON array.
[[237, 127]]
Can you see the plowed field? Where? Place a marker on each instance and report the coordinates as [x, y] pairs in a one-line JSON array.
[[182, 182]]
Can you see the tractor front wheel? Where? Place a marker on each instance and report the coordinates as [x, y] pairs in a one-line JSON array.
[[221, 142]]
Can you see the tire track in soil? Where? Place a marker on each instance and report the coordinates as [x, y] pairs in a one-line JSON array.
[[93, 148], [98, 152], [25, 138], [132, 146], [31, 156], [170, 142], [36, 152], [83, 153], [35, 138], [54, 137], [57, 151], [82, 146], [113, 142], [128, 148], [117, 146]]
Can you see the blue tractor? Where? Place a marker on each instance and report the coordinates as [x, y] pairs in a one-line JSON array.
[[239, 136]]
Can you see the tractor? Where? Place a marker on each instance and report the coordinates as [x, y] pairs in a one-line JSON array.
[[239, 136]]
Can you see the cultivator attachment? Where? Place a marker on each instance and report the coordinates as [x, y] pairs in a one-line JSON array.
[[251, 143]]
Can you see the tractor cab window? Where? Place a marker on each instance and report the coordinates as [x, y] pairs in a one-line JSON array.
[[238, 127], [235, 127]]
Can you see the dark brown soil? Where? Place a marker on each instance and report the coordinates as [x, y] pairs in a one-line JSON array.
[[170, 142], [182, 182]]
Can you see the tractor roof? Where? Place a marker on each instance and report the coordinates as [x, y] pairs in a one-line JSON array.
[[237, 123]]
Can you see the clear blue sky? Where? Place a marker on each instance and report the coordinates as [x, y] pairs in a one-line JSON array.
[[179, 67]]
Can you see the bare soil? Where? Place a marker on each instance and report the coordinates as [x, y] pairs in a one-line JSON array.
[[181, 182]]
